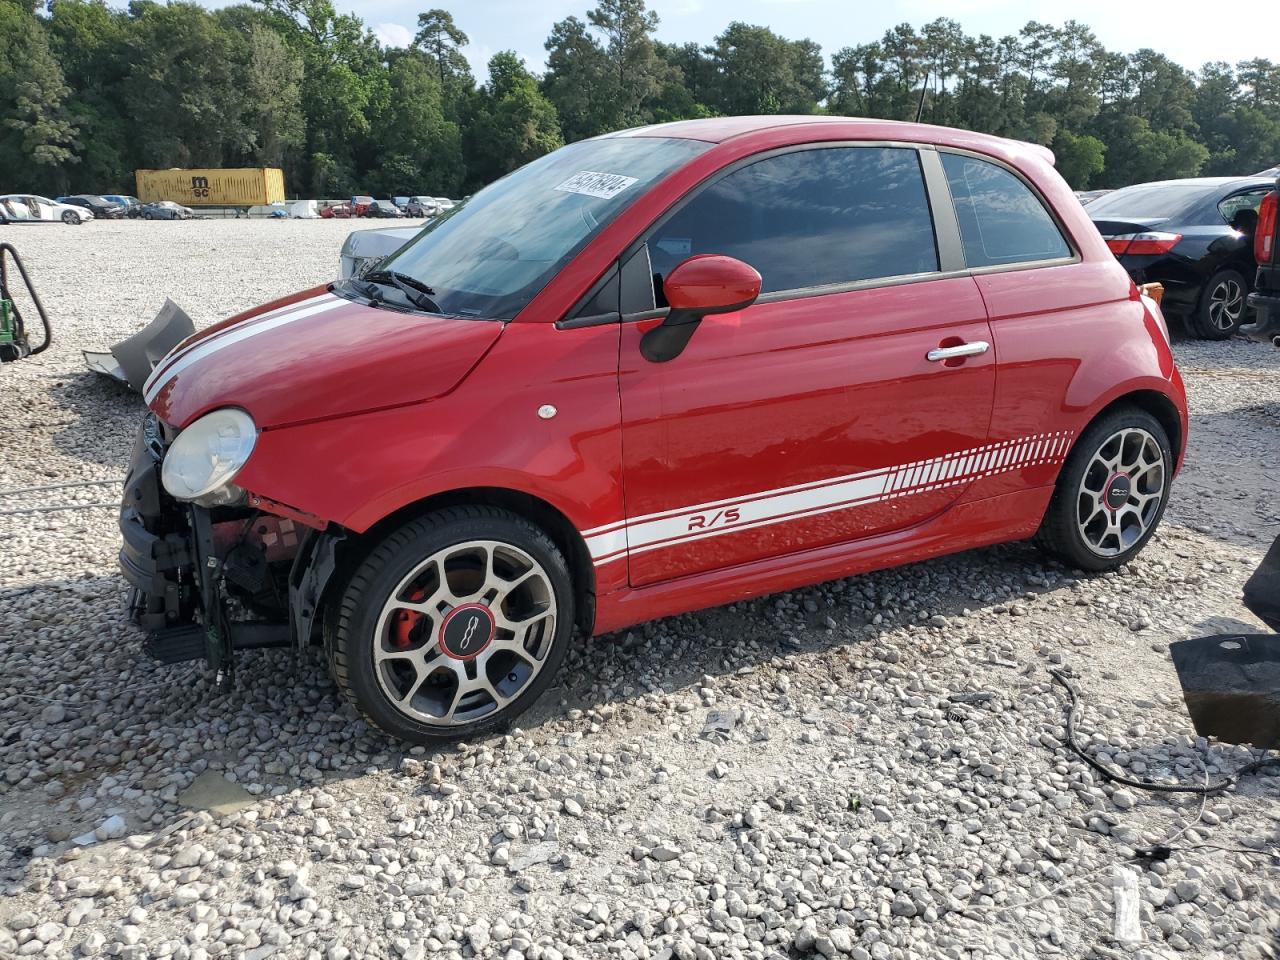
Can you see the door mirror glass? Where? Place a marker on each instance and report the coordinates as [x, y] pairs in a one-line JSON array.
[[701, 285]]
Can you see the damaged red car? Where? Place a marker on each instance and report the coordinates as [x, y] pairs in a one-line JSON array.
[[652, 372]]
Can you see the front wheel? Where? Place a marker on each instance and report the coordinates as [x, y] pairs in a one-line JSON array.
[[452, 625], [1221, 309], [70, 218], [1111, 493]]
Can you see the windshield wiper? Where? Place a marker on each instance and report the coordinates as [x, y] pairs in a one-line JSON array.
[[414, 290], [369, 291]]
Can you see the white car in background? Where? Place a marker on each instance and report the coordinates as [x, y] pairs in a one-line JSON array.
[[28, 208]]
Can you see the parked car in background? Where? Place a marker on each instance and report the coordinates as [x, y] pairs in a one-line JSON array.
[[359, 204], [1265, 298], [29, 208], [166, 210], [444, 203], [421, 207], [340, 211], [1088, 196], [648, 373], [401, 202], [363, 248], [132, 205], [1194, 237], [382, 208], [100, 207]]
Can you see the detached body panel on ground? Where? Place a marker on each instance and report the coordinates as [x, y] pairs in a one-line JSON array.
[[650, 373]]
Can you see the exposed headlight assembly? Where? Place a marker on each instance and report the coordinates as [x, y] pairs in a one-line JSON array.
[[206, 456]]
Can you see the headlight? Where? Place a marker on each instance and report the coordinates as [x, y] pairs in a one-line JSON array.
[[208, 454]]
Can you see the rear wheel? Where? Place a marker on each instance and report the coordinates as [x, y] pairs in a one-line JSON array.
[[453, 625], [1222, 306], [70, 217], [1111, 493]]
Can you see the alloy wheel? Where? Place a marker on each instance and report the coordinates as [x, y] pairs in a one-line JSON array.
[[1121, 491], [1226, 304], [465, 633]]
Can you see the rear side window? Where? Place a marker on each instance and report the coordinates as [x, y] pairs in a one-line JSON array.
[[810, 218], [1001, 220]]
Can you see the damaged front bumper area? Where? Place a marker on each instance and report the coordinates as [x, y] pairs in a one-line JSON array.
[[208, 581]]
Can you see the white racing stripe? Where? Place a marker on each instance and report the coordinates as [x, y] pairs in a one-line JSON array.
[[173, 355], [716, 518], [233, 336]]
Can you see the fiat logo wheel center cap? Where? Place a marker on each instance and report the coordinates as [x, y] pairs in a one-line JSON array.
[[1118, 489], [466, 631]]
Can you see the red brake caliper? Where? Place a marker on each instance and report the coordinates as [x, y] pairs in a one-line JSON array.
[[404, 622]]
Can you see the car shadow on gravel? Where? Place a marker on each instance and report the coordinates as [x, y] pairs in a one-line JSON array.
[[1229, 487], [92, 418]]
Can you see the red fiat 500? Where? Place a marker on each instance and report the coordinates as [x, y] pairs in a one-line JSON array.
[[651, 372]]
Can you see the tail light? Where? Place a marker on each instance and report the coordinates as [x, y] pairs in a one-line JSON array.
[[1264, 237], [1142, 244]]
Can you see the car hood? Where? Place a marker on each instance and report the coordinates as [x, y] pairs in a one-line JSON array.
[[314, 356]]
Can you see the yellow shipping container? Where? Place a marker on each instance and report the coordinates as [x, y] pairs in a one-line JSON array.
[[229, 187]]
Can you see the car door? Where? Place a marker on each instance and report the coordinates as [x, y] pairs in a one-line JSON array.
[[822, 413]]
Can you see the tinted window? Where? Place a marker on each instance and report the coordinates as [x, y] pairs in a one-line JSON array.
[[1001, 220], [810, 218]]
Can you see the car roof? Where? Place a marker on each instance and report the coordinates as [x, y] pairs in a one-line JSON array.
[[720, 129]]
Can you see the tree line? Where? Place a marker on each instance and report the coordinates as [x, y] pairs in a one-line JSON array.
[[90, 92]]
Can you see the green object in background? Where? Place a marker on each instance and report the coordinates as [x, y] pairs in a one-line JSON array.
[[7, 333]]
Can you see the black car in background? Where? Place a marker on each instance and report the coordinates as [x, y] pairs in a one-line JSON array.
[[100, 207], [382, 208], [1195, 237]]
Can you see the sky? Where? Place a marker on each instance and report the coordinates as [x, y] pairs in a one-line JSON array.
[[1191, 38]]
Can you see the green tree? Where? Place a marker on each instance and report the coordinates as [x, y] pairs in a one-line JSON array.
[[578, 80], [37, 136], [513, 122], [761, 72], [183, 90], [440, 38], [420, 149], [1079, 157]]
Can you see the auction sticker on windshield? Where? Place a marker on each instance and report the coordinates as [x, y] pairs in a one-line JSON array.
[[589, 183]]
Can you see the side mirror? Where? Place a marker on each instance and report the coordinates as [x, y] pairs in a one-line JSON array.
[[704, 284]]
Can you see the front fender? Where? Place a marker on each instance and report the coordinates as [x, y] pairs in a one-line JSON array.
[[357, 470]]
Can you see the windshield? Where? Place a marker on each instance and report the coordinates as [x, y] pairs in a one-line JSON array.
[[1149, 201], [490, 256]]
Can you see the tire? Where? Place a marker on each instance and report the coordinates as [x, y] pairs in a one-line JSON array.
[[148, 216], [1221, 309], [71, 218], [440, 696], [1117, 525]]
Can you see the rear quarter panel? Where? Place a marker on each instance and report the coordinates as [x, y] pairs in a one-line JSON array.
[[1070, 340]]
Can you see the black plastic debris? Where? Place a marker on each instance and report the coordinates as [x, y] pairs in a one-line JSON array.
[[1231, 685]]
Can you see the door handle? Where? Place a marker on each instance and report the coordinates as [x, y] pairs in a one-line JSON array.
[[938, 354]]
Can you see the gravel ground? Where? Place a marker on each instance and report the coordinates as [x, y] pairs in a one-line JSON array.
[[871, 768]]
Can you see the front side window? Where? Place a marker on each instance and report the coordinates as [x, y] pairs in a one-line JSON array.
[[491, 255], [1001, 220], [810, 218]]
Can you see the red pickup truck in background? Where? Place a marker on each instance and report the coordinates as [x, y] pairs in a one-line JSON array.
[[1265, 299]]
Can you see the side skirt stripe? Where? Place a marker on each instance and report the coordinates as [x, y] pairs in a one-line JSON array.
[[715, 518]]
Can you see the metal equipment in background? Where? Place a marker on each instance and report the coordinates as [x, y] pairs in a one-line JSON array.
[[15, 342]]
